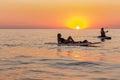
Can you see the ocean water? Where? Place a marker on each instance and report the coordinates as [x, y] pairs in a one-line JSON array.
[[33, 54]]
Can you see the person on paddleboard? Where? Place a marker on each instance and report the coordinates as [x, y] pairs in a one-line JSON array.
[[68, 40], [103, 32]]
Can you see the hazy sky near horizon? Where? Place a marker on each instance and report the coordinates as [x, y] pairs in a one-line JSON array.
[[59, 13]]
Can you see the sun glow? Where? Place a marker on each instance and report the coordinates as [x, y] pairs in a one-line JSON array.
[[77, 23], [77, 27]]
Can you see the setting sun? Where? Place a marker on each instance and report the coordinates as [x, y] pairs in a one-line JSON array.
[[77, 23], [77, 27]]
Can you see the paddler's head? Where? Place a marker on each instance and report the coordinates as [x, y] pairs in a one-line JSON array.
[[102, 29], [59, 35]]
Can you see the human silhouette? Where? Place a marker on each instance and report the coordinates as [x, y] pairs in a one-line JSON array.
[[68, 40]]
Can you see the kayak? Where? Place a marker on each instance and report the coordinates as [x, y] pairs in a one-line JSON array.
[[106, 37], [78, 44]]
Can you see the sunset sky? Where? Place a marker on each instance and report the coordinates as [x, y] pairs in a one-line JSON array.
[[59, 13]]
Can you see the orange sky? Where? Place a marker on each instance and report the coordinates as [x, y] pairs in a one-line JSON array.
[[59, 13]]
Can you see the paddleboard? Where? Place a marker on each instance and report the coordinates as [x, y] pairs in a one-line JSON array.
[[104, 37], [78, 44]]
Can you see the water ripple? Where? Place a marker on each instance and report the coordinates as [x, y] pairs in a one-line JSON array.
[[11, 62], [78, 64], [30, 79], [103, 79], [46, 72]]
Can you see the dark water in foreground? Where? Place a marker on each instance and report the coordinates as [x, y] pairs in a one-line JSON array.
[[32, 54]]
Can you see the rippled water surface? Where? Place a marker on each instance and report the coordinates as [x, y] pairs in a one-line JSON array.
[[33, 54]]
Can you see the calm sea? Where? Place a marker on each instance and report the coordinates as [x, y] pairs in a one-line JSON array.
[[33, 54]]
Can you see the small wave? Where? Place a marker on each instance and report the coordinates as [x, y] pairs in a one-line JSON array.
[[22, 56], [51, 43], [12, 68], [10, 62], [78, 63], [103, 79], [75, 65], [30, 79], [39, 71], [47, 72], [11, 45], [55, 60]]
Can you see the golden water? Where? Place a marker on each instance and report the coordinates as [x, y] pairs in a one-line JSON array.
[[33, 54]]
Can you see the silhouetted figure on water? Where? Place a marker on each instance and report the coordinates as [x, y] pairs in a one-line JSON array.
[[68, 40], [103, 32]]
